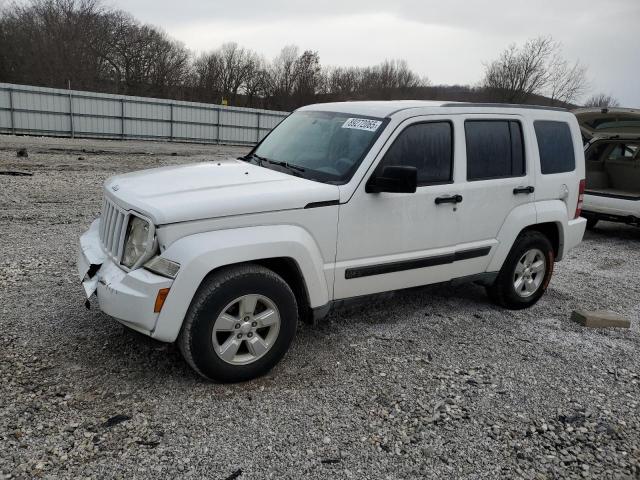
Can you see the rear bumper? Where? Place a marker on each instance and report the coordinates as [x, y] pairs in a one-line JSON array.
[[573, 234], [128, 297], [611, 205], [628, 219]]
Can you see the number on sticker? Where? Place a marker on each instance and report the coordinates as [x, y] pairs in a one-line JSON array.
[[362, 124]]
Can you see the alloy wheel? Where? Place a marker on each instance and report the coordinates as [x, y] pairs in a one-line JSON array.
[[246, 329]]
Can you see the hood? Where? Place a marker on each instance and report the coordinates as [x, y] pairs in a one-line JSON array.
[[608, 122], [213, 189]]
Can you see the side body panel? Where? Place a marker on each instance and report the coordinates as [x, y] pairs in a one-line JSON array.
[[407, 239]]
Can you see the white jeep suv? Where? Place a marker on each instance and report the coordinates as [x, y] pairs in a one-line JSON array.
[[339, 201]]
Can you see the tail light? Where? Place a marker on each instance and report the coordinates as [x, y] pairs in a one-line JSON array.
[[580, 198]]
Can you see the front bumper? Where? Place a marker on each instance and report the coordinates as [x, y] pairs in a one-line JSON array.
[[127, 296]]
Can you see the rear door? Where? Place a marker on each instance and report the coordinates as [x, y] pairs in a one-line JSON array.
[[498, 175]]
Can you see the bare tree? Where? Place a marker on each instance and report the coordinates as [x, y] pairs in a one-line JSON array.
[[535, 68], [237, 64], [48, 42], [227, 72], [567, 82], [208, 77], [257, 79], [281, 77], [520, 72], [343, 81], [601, 100], [80, 42], [307, 76], [141, 59], [390, 79]]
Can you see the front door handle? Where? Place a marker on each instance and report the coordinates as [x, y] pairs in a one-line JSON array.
[[449, 199], [527, 190]]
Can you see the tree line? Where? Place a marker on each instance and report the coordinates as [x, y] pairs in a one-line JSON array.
[[85, 45]]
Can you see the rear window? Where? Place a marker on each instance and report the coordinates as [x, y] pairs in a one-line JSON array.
[[494, 149], [555, 145]]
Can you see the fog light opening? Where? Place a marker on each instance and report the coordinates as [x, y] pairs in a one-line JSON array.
[[160, 298]]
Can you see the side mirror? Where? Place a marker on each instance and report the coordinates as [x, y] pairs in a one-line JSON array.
[[394, 179]]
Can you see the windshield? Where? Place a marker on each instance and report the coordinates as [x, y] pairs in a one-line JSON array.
[[328, 146]]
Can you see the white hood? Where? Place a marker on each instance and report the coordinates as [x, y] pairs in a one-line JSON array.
[[213, 189], [608, 122]]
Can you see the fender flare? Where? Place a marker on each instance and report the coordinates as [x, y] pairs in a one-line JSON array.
[[555, 211], [201, 253], [529, 215], [518, 219]]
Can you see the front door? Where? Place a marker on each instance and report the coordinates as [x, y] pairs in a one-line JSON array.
[[389, 241]]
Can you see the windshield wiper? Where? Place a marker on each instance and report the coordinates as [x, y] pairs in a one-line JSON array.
[[294, 169], [286, 165], [252, 156]]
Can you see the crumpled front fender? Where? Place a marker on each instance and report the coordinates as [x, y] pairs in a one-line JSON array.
[[201, 253]]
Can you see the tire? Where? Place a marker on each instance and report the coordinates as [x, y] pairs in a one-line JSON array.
[[213, 314], [591, 223], [503, 292]]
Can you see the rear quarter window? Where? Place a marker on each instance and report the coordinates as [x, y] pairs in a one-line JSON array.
[[555, 145]]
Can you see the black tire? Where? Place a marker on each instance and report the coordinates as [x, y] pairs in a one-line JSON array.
[[503, 291], [216, 292], [591, 223]]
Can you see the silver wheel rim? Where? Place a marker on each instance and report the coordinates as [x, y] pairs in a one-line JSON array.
[[246, 329], [530, 271]]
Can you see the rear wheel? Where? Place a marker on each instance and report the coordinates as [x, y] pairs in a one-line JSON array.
[[239, 325], [591, 223], [526, 272]]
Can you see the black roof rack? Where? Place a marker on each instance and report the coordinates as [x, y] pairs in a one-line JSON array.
[[504, 105]]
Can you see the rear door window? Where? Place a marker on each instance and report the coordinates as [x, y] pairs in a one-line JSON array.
[[495, 149], [555, 145], [426, 146]]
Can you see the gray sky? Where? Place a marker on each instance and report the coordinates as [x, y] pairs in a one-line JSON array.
[[446, 40]]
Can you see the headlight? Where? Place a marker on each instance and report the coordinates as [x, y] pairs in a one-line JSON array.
[[136, 241]]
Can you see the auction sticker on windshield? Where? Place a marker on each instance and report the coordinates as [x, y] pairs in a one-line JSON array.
[[362, 124]]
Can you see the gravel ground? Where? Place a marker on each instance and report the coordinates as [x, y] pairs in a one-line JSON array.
[[431, 383]]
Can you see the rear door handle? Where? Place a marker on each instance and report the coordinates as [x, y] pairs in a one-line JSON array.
[[527, 190], [449, 199]]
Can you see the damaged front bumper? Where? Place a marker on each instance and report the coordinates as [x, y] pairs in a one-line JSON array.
[[130, 297]]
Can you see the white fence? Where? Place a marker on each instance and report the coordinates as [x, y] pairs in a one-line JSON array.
[[26, 110]]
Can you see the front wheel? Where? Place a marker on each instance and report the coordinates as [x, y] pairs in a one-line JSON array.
[[239, 325], [526, 272]]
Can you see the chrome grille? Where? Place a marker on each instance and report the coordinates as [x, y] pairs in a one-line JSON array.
[[112, 227]]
